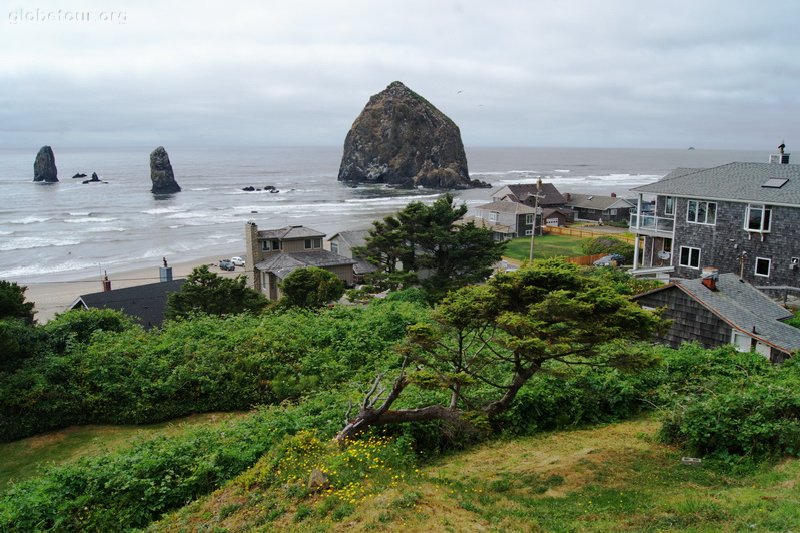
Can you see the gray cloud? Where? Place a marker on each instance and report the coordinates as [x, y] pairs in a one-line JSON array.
[[542, 73]]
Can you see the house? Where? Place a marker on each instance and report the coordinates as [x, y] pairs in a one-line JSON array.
[[343, 242], [276, 253], [721, 309], [507, 219], [739, 217], [525, 193], [145, 303], [598, 207]]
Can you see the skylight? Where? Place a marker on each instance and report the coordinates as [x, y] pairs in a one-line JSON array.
[[775, 183]]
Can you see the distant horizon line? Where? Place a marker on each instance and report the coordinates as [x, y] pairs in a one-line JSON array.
[[151, 147]]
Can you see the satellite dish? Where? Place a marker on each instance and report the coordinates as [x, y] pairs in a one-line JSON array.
[[663, 255]]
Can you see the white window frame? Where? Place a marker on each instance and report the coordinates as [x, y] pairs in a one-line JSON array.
[[689, 264], [612, 211], [335, 248], [493, 216], [528, 232], [769, 267], [669, 205], [529, 218], [697, 204], [766, 215]]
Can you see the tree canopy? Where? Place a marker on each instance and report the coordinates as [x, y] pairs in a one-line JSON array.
[[310, 288], [207, 293], [487, 341], [13, 304], [433, 249]]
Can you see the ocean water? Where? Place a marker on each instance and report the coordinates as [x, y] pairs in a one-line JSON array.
[[69, 230]]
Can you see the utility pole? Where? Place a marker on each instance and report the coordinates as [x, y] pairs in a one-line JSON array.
[[535, 212]]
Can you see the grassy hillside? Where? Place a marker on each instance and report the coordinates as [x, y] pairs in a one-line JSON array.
[[609, 478], [23, 458]]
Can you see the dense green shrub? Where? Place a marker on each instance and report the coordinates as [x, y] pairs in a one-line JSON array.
[[130, 488], [72, 328], [130, 376], [752, 411], [607, 245]]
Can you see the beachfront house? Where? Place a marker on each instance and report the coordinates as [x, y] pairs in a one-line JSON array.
[[526, 193], [720, 309], [598, 208], [343, 243], [742, 218], [276, 253]]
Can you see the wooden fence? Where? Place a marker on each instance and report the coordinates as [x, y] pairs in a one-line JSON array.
[[575, 232]]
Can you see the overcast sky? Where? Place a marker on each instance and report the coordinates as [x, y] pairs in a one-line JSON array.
[[584, 73]]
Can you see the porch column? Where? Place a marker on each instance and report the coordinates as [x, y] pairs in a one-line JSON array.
[[636, 233]]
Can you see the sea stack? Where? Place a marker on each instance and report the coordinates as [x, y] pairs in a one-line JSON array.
[[402, 139], [44, 167], [161, 173]]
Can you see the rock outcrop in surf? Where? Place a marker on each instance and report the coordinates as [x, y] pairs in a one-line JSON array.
[[161, 173], [402, 139], [44, 166]]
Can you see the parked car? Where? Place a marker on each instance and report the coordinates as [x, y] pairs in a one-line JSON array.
[[238, 261], [610, 259], [226, 264]]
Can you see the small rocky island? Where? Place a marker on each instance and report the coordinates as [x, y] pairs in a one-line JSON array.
[[402, 139], [44, 166], [161, 173]]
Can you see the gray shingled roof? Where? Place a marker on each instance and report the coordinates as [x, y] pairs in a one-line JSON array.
[[352, 238], [740, 182], [743, 307], [282, 264], [145, 303], [290, 232], [523, 190], [506, 206], [483, 223], [594, 201]]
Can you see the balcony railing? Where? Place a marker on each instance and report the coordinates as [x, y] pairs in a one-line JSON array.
[[651, 223]]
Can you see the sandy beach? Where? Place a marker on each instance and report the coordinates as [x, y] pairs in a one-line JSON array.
[[54, 297]]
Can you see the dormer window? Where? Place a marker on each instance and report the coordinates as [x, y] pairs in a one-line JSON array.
[[316, 242], [758, 217], [270, 244]]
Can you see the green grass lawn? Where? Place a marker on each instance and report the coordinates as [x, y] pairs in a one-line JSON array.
[[23, 458], [544, 246]]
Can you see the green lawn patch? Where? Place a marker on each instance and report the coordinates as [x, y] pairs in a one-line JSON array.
[[544, 246]]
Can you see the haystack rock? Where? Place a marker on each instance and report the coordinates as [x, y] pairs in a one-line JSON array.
[[402, 139], [44, 167], [161, 173]]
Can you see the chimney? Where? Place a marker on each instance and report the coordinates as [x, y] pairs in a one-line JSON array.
[[781, 157], [567, 196], [106, 282], [613, 195], [709, 277]]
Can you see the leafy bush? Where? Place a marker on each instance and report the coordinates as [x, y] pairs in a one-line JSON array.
[[755, 414], [76, 327], [311, 288], [607, 245], [130, 488], [121, 374]]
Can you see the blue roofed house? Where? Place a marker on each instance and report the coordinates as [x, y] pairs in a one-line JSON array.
[[741, 218]]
